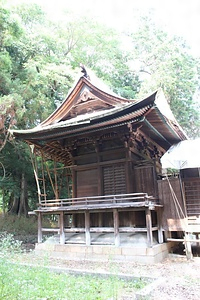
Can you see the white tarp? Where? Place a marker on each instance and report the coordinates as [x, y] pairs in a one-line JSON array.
[[185, 154]]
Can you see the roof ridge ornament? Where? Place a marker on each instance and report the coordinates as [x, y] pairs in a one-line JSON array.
[[84, 71]]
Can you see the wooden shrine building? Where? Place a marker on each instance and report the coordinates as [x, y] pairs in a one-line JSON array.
[[100, 153]]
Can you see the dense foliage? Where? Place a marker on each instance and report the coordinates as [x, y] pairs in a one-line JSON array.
[[39, 61]]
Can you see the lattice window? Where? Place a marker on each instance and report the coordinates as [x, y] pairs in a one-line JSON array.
[[192, 194], [114, 179]]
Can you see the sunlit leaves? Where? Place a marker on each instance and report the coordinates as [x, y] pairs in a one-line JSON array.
[[164, 61]]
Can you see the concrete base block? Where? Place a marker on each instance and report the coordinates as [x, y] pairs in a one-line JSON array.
[[140, 254]]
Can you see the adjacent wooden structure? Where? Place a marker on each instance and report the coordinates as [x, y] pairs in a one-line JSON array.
[[100, 153], [180, 197]]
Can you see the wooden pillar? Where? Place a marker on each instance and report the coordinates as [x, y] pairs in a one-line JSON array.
[[116, 227], [188, 248], [159, 224], [99, 169], [100, 219], [87, 228], [129, 187], [39, 227], [61, 225], [74, 184], [149, 227], [167, 235], [74, 220]]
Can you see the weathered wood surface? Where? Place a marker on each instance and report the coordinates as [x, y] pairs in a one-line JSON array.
[[149, 227], [99, 229], [192, 194], [193, 224], [183, 240], [172, 218], [134, 200], [62, 233], [87, 183], [112, 204], [116, 227], [39, 227], [146, 179]]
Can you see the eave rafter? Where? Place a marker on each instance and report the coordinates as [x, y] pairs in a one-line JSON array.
[[52, 151]]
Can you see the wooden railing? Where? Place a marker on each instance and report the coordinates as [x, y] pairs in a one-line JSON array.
[[113, 203], [96, 201]]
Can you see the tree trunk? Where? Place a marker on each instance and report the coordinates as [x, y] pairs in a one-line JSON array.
[[23, 205], [3, 202], [19, 205], [13, 204]]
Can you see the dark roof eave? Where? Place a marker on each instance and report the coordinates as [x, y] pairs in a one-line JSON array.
[[140, 107], [178, 133], [76, 131], [156, 131]]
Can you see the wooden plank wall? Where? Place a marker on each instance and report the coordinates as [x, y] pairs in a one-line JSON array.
[[172, 219], [145, 180], [87, 183]]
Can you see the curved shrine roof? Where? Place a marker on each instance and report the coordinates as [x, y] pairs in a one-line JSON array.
[[88, 109]]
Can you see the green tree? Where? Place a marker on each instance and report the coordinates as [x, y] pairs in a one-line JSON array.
[[17, 183], [165, 61], [39, 62], [10, 32]]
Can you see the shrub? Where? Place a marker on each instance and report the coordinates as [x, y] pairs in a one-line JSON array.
[[8, 245]]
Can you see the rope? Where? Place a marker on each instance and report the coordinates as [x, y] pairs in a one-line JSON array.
[[175, 199], [177, 204]]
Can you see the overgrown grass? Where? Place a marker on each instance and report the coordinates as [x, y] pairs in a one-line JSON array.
[[20, 225], [20, 282], [22, 228], [26, 282]]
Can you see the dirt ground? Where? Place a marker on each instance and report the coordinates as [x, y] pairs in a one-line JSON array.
[[179, 279]]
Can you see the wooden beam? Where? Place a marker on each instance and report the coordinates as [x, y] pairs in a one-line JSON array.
[[149, 227], [62, 232], [183, 240], [116, 227], [87, 228], [39, 227], [136, 229], [95, 165]]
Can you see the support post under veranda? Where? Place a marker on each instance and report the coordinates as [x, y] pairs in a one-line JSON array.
[[87, 228], [159, 224], [39, 227], [149, 227], [62, 232], [116, 227], [56, 185]]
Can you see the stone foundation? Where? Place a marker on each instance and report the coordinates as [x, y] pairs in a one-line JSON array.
[[140, 254]]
